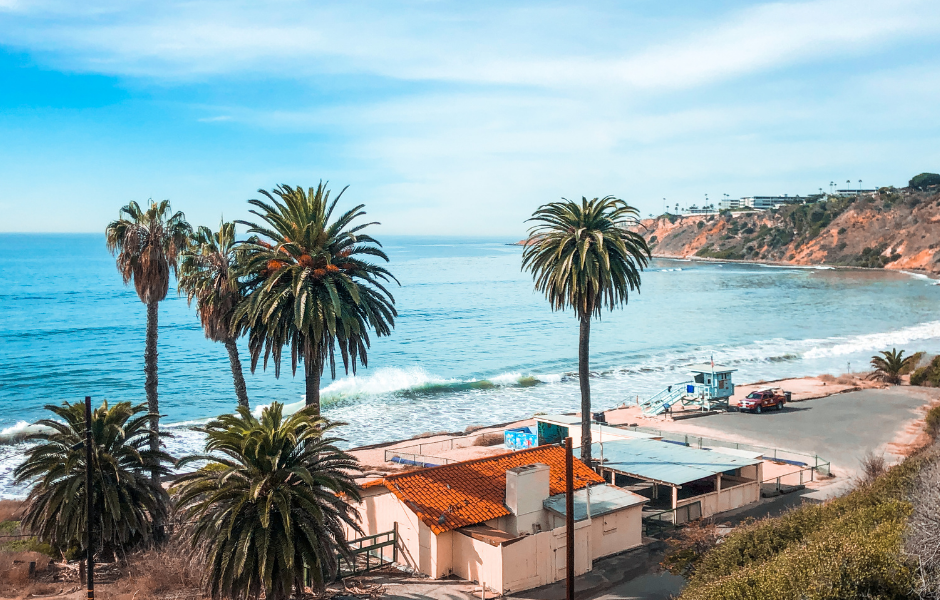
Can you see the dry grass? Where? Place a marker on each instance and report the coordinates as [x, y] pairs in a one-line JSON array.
[[873, 467], [15, 578], [11, 510], [167, 572], [827, 378], [489, 439]]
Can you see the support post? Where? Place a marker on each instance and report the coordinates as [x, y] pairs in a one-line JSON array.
[[395, 545], [89, 505], [675, 497], [569, 520]]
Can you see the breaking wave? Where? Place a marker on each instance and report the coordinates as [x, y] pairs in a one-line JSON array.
[[873, 341], [415, 382]]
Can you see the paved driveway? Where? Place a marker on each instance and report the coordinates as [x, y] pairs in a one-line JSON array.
[[840, 428]]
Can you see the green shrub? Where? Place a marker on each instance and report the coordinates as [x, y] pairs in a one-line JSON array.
[[929, 375], [700, 224], [932, 422], [923, 180], [849, 547]]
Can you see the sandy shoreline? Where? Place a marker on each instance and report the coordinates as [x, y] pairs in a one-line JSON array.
[[776, 263]]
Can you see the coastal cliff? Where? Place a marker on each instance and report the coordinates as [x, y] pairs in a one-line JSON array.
[[890, 228]]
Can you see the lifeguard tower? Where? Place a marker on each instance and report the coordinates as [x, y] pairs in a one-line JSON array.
[[709, 388]]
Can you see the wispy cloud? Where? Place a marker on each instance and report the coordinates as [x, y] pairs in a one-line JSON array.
[[215, 119], [458, 43]]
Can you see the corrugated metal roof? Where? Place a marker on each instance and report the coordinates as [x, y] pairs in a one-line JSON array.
[[605, 499], [596, 429], [672, 464]]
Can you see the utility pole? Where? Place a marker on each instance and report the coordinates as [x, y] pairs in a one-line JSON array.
[[90, 505], [569, 520]]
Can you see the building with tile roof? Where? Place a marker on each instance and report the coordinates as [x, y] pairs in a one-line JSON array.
[[496, 520], [466, 493]]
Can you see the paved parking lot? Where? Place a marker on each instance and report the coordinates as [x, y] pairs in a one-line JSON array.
[[840, 428]]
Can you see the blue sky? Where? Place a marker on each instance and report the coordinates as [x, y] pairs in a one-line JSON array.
[[455, 118]]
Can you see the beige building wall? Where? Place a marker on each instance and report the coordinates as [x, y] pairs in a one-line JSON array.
[[726, 499], [532, 561], [476, 560], [616, 532]]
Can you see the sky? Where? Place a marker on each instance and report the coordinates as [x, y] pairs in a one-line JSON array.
[[455, 118]]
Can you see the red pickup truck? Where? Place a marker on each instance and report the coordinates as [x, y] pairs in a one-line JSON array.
[[761, 399]]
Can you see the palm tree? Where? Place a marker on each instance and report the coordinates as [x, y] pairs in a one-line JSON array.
[[127, 503], [311, 287], [207, 273], [584, 256], [272, 501], [148, 244], [890, 365]]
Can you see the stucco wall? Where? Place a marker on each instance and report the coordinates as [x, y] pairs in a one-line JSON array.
[[726, 499], [378, 513], [616, 532], [475, 560]]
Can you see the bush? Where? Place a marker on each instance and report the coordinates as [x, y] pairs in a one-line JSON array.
[[923, 180], [849, 547], [932, 422], [928, 376]]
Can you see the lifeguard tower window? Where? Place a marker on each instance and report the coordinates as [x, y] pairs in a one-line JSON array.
[[700, 378]]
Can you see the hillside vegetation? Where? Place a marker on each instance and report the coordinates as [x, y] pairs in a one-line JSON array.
[[891, 228], [879, 541]]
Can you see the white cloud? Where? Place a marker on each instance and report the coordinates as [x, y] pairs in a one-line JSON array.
[[215, 119], [460, 44]]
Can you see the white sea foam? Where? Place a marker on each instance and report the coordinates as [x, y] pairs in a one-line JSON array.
[[873, 341], [922, 277], [19, 428]]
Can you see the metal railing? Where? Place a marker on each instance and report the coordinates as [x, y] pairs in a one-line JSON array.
[[417, 460], [777, 479], [367, 548]]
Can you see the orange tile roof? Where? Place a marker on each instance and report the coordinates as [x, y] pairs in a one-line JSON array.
[[474, 491]]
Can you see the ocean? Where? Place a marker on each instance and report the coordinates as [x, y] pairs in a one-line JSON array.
[[473, 343]]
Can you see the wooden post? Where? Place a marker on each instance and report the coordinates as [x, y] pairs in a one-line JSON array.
[[569, 520], [675, 497], [395, 545], [90, 505]]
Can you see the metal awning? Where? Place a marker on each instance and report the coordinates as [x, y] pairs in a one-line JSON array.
[[662, 462], [605, 499]]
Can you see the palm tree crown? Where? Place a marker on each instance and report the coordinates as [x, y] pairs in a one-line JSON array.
[[891, 365], [207, 274], [311, 285], [127, 503], [272, 501], [148, 243], [584, 256]]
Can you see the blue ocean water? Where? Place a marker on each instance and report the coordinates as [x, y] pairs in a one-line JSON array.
[[473, 343]]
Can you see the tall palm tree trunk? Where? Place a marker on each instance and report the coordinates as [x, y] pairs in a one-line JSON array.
[[240, 391], [150, 384], [584, 374], [313, 385]]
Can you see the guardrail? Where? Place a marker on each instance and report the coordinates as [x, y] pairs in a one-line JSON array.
[[369, 547], [417, 460]]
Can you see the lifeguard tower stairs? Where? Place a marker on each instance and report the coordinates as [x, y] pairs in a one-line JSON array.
[[710, 388]]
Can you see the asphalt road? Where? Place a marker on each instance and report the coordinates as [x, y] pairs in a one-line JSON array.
[[840, 428]]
